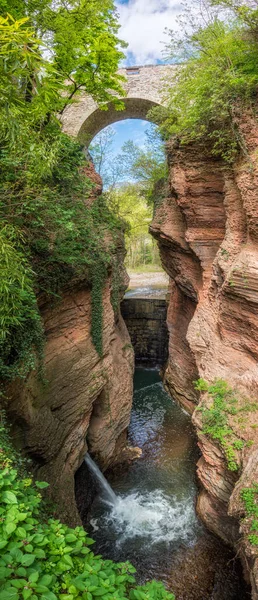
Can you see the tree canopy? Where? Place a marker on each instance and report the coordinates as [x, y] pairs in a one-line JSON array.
[[219, 78], [48, 233]]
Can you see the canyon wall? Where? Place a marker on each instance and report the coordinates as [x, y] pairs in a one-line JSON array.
[[207, 230], [85, 401]]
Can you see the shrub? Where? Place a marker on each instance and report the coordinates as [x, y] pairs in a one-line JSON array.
[[219, 77], [43, 559], [215, 418], [250, 497]]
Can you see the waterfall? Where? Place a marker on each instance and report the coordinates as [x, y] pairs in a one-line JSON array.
[[110, 496]]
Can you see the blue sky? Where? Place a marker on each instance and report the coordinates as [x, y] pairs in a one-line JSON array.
[[132, 129]]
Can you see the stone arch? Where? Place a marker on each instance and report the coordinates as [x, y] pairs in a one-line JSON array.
[[143, 86], [135, 108]]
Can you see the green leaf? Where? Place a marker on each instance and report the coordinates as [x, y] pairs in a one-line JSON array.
[[28, 559], [40, 589], [46, 580], [100, 592], [39, 553], [19, 583], [26, 594], [33, 578], [10, 594], [70, 537], [21, 533], [4, 572], [89, 541], [10, 528], [21, 572], [41, 484], [48, 596], [9, 497], [68, 560]]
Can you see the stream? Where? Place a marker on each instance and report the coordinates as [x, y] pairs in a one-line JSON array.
[[152, 521]]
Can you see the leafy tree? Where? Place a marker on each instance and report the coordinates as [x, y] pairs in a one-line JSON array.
[[101, 151], [129, 203], [82, 42], [221, 75], [145, 165], [46, 222]]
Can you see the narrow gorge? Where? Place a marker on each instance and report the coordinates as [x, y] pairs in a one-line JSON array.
[[205, 226], [128, 412]]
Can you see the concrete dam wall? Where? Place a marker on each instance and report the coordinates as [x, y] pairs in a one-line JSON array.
[[146, 322]]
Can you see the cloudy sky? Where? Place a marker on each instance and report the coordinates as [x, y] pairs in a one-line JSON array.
[[143, 24]]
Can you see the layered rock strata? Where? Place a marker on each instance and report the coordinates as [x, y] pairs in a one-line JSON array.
[[85, 402], [207, 230]]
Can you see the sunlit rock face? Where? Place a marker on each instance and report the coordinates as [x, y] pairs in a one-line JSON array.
[[207, 230], [85, 403]]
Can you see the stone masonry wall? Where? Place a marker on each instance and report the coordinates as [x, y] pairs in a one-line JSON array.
[[146, 322]]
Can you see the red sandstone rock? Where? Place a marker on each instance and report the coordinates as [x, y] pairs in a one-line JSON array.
[[207, 230], [85, 405]]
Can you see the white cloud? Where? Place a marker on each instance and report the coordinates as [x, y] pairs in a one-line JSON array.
[[143, 24]]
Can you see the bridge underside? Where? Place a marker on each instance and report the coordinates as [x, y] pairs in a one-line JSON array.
[[135, 108]]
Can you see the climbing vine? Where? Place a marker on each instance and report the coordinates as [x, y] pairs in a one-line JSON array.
[[21, 331]]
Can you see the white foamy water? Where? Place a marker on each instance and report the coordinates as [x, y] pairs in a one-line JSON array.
[[153, 516]]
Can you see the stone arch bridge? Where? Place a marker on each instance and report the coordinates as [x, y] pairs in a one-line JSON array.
[[84, 119]]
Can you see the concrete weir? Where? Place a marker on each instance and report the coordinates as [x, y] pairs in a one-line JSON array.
[[146, 322]]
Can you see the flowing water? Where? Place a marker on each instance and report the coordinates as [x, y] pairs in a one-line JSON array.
[[154, 510], [148, 516]]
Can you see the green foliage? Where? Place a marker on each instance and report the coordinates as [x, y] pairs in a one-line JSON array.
[[132, 186], [83, 47], [152, 590], [219, 78], [215, 418], [43, 559], [21, 333], [98, 279], [250, 498], [146, 166], [128, 202], [66, 236], [51, 231]]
